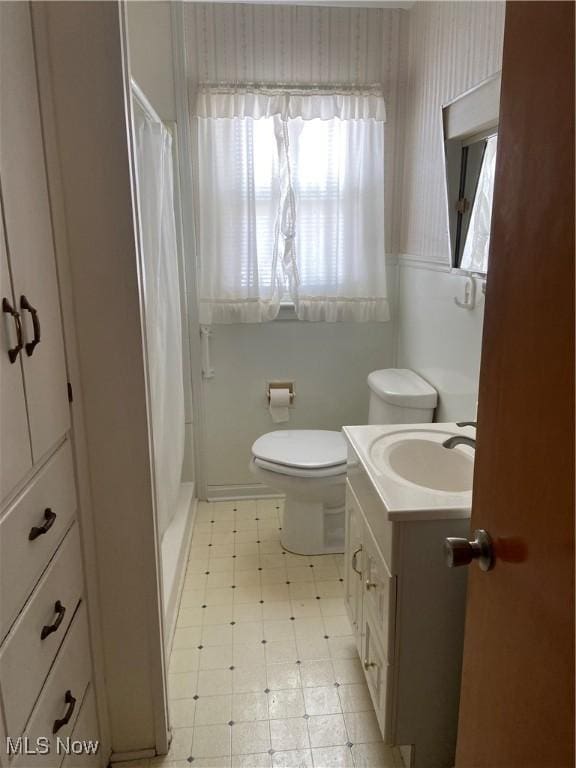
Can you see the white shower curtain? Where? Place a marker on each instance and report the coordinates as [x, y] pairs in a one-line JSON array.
[[161, 306]]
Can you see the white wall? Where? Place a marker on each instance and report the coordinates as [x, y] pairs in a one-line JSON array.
[[150, 44], [452, 46], [438, 340], [329, 363]]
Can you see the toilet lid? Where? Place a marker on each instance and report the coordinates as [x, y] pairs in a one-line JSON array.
[[303, 448]]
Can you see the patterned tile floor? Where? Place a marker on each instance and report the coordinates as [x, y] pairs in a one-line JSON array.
[[264, 671]]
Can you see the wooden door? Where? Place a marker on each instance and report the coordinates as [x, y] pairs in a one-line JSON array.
[[15, 454], [29, 229], [517, 699]]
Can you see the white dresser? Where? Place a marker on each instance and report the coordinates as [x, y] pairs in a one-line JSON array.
[[45, 659]]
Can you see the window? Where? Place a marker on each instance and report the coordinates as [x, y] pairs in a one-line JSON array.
[[291, 205]]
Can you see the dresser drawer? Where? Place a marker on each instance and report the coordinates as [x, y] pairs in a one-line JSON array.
[[33, 641], [61, 696], [48, 503], [85, 731]]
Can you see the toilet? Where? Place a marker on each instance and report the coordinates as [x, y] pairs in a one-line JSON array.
[[309, 465]]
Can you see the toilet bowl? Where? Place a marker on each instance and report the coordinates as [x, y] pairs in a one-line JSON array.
[[309, 465]]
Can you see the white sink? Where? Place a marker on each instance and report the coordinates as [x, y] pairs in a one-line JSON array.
[[413, 475], [418, 457]]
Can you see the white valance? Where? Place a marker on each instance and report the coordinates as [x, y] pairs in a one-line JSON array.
[[257, 102]]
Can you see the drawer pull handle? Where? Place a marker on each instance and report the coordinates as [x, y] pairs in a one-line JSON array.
[[40, 530], [25, 304], [71, 701], [368, 664], [370, 585], [354, 556], [47, 629], [9, 310]]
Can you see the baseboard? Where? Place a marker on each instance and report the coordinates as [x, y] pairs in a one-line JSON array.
[[231, 492]]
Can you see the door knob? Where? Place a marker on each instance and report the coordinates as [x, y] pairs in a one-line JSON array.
[[461, 551]]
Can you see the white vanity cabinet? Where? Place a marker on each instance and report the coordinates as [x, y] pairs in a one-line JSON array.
[[45, 658], [407, 612]]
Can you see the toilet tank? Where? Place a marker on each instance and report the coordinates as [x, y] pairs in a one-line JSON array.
[[400, 396]]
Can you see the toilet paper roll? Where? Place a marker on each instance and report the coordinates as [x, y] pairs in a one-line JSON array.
[[279, 402]]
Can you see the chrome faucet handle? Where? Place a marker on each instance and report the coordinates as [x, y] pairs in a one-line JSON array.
[[467, 424]]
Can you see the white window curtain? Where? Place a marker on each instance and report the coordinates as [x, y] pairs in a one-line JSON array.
[[291, 204]]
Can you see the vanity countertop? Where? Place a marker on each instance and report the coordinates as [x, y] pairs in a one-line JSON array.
[[404, 500]]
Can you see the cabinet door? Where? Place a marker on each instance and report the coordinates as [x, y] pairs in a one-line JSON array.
[[15, 455], [29, 231], [378, 674], [379, 594], [353, 571]]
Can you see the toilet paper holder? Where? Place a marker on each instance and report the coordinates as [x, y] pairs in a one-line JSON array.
[[289, 385]]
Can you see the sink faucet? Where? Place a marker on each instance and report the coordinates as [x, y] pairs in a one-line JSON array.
[[452, 442]]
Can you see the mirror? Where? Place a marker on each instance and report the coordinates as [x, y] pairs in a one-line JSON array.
[[470, 142]]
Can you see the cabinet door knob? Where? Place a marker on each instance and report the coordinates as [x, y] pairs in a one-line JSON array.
[[354, 556], [459, 551], [369, 664], [370, 585], [30, 345], [8, 309]]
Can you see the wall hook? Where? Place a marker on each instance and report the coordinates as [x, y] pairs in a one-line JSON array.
[[469, 301]]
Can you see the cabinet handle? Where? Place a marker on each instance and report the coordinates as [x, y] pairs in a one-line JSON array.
[[47, 629], [40, 530], [354, 556], [9, 310], [370, 585], [30, 345], [368, 664], [71, 701]]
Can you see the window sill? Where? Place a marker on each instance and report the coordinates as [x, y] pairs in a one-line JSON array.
[[287, 312]]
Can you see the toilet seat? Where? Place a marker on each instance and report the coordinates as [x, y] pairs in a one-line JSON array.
[[308, 450], [283, 469]]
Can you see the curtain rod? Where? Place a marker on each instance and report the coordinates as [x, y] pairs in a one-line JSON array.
[[280, 86]]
